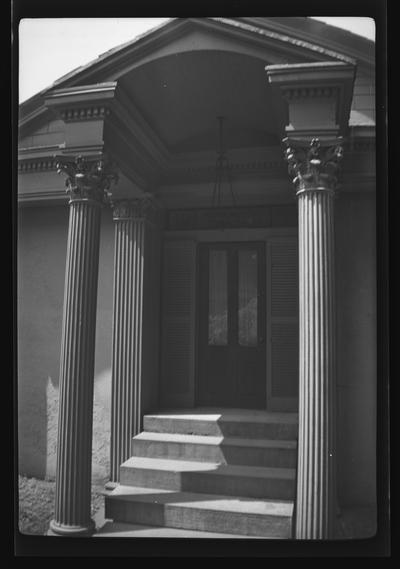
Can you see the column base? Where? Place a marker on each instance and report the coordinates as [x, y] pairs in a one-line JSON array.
[[60, 530], [110, 485]]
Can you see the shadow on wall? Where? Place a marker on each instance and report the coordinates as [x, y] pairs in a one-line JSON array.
[[356, 337], [101, 427], [41, 260], [42, 241]]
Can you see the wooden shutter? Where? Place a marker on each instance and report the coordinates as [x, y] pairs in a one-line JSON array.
[[178, 320], [282, 324]]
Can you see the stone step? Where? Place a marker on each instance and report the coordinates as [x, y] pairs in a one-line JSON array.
[[226, 422], [225, 450], [121, 529], [200, 512], [209, 478]]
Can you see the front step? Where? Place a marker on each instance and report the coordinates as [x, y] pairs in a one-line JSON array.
[[223, 472], [209, 478], [201, 512], [226, 450], [228, 423]]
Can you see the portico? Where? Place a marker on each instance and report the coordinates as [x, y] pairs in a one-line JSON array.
[[233, 306]]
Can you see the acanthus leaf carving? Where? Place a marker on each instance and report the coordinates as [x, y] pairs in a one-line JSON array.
[[87, 178], [314, 164], [136, 208]]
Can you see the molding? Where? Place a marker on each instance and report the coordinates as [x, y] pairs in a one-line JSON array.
[[243, 162], [293, 93], [37, 165], [77, 94], [86, 102], [302, 81], [237, 169], [140, 145], [34, 152], [32, 116], [232, 217], [55, 197], [84, 113], [285, 39]]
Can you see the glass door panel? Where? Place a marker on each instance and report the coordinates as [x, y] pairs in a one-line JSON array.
[[218, 299], [247, 297]]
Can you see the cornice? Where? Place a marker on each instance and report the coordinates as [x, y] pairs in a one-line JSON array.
[[357, 48], [287, 39], [32, 116], [109, 102], [298, 82], [324, 71], [87, 102], [86, 92]]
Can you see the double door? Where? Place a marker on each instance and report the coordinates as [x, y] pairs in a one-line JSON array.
[[231, 355]]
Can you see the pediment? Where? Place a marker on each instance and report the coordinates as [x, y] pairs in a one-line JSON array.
[[174, 82], [264, 38], [182, 35]]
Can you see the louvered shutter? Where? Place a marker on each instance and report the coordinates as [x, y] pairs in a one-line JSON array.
[[283, 324], [178, 313]]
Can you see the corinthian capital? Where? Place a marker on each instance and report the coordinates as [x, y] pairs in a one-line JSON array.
[[137, 208], [314, 165], [87, 178]]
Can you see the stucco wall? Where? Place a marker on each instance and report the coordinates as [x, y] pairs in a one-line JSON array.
[[356, 347], [42, 240]]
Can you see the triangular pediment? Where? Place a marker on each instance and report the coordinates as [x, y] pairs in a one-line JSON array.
[[202, 34], [275, 40], [174, 81]]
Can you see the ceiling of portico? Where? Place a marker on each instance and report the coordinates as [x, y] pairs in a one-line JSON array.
[[181, 95]]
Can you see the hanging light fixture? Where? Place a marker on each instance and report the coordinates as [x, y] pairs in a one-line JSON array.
[[222, 168]]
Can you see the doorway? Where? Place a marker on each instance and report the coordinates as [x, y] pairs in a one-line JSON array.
[[231, 355]]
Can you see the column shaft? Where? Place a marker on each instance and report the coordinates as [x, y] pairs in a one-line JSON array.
[[127, 339], [74, 452], [316, 465]]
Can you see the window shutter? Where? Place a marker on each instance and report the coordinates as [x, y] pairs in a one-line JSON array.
[[283, 324], [178, 313]]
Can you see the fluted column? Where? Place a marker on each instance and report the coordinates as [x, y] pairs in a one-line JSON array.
[[130, 220], [86, 185], [314, 167]]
